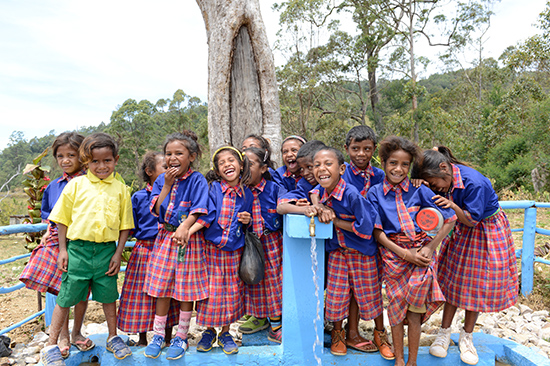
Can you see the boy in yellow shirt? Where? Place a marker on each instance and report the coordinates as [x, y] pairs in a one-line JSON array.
[[92, 213]]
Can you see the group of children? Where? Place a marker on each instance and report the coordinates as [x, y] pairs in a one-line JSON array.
[[190, 237]]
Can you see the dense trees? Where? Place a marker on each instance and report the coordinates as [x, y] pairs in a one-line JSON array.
[[353, 62]]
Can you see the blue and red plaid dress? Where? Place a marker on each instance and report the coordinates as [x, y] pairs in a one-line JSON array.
[[166, 277], [136, 311], [265, 298], [224, 241], [41, 273], [408, 284], [477, 267]]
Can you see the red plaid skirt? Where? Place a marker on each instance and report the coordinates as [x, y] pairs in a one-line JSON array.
[[41, 272], [407, 284], [477, 266], [225, 304], [166, 277], [350, 270], [265, 298], [136, 311]]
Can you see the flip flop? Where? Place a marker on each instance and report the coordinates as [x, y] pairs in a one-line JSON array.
[[361, 346], [65, 351], [83, 346]]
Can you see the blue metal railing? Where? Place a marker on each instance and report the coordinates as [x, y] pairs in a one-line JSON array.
[[527, 252], [48, 310]]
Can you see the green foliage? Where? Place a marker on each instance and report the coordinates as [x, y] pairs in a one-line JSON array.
[[35, 182]]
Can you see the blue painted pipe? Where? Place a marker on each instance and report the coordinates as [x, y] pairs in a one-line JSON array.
[[7, 290], [22, 228], [13, 259], [17, 325], [528, 250]]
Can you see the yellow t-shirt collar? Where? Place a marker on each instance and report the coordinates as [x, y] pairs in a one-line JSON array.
[[95, 179]]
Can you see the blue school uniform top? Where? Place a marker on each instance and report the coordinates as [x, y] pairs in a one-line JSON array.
[[302, 191], [188, 195], [349, 205], [283, 177], [382, 198], [222, 226], [363, 179], [473, 193], [268, 196], [146, 225], [53, 192]]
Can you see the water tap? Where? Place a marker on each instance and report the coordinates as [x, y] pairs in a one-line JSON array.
[[312, 226]]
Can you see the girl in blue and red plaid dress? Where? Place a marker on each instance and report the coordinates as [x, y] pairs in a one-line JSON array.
[[136, 311], [177, 266], [477, 263], [229, 208], [41, 273], [264, 300], [288, 175], [407, 252]]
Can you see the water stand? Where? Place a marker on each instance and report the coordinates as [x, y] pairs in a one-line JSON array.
[[301, 327]]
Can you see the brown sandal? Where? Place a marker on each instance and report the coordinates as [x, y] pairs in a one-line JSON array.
[[367, 346]]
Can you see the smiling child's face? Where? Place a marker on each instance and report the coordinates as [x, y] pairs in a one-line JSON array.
[[306, 169], [103, 162], [290, 150], [326, 169], [360, 152], [397, 166]]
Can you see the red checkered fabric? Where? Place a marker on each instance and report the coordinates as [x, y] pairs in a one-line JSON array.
[[225, 302], [407, 224], [257, 219], [350, 270], [166, 277], [136, 310], [41, 272], [265, 298], [367, 173], [228, 209], [407, 284], [477, 266], [288, 173], [172, 203]]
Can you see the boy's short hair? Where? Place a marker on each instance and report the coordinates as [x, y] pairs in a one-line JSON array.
[[360, 133], [336, 152], [96, 141], [309, 149]]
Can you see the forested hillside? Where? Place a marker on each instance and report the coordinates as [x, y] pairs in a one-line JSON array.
[[492, 113]]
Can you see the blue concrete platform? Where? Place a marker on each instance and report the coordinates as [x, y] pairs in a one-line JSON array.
[[489, 348]]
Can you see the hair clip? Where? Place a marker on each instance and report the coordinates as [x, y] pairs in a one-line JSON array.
[[240, 154], [296, 137], [265, 157]]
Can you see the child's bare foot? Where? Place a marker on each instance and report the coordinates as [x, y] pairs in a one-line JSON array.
[[355, 341], [82, 343], [399, 362], [411, 364]]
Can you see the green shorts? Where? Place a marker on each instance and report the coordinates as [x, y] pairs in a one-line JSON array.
[[88, 262]]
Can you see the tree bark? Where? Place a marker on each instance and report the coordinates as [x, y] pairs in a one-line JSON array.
[[242, 87]]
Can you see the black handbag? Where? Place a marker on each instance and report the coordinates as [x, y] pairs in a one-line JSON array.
[[252, 267]]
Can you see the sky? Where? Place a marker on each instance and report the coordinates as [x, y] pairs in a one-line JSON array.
[[65, 64]]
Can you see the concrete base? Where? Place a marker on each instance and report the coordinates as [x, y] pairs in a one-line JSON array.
[[267, 353]]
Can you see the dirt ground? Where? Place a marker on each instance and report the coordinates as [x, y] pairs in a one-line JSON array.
[[20, 304]]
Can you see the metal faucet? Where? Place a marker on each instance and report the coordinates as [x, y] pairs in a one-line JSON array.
[[312, 226]]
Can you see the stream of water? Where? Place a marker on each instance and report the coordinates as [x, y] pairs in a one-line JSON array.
[[314, 268]]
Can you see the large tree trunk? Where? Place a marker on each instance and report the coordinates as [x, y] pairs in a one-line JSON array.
[[242, 88]]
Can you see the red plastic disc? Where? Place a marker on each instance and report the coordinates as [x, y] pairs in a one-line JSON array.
[[428, 219]]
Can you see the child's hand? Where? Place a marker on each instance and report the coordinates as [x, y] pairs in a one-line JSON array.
[[45, 237], [426, 253], [181, 236], [418, 182], [170, 176], [417, 258], [114, 265], [326, 215], [244, 217], [62, 260], [312, 211], [302, 202], [442, 201]]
